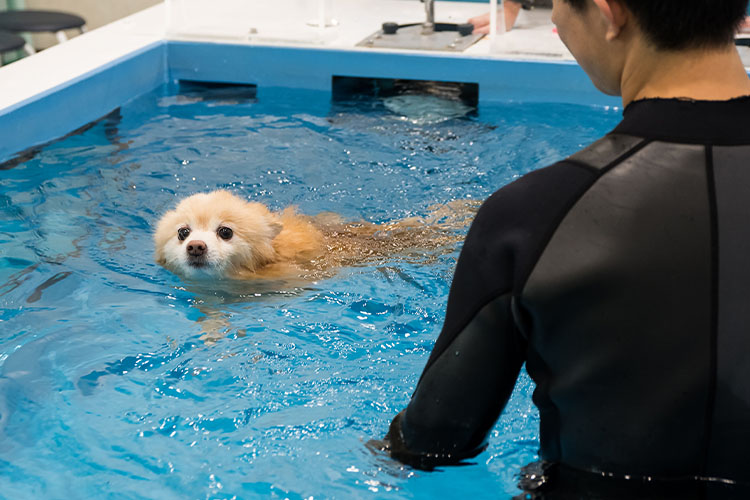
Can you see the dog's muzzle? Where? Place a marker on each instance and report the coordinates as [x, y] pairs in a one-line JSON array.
[[197, 251]]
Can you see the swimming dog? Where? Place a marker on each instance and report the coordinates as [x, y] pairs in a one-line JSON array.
[[218, 235]]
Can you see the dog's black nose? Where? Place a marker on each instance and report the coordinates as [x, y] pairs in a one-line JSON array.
[[196, 248]]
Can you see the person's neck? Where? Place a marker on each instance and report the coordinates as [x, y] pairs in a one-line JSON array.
[[714, 75]]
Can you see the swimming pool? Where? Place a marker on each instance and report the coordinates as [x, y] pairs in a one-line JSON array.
[[106, 387]]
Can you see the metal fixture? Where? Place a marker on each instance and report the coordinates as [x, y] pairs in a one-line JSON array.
[[428, 35], [429, 25]]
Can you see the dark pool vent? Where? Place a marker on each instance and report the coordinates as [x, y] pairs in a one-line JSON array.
[[345, 88], [217, 91]]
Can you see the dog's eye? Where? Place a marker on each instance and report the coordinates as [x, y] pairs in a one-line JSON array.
[[183, 233], [224, 233]]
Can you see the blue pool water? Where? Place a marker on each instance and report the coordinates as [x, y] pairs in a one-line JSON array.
[[106, 388]]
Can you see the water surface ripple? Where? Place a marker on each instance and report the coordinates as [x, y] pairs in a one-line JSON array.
[[107, 388]]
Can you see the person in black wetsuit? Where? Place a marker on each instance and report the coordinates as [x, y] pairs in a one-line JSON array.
[[620, 276]]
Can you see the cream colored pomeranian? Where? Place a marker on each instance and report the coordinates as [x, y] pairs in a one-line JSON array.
[[219, 235]]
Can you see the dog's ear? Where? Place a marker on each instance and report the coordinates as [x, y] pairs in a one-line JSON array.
[[276, 228]]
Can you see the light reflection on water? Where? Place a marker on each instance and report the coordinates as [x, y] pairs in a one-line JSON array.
[[426, 109], [105, 377]]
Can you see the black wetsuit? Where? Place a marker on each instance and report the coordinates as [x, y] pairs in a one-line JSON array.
[[621, 276]]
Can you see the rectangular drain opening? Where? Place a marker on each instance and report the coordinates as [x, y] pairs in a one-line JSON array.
[[345, 88], [218, 91]]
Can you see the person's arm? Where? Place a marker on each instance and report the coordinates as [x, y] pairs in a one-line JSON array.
[[474, 364], [461, 392], [473, 367], [482, 23]]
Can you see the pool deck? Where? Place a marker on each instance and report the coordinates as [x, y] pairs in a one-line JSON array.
[[247, 41]]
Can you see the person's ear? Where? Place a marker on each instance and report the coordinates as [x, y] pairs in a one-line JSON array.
[[615, 15]]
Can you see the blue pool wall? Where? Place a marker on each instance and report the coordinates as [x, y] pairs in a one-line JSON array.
[[63, 109]]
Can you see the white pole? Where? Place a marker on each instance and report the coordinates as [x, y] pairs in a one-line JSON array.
[[168, 21], [493, 22], [322, 15], [501, 18]]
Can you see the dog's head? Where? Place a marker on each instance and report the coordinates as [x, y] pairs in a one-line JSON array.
[[216, 235]]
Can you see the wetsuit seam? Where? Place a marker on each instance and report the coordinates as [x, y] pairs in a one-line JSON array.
[[486, 300], [512, 290], [579, 163], [598, 174], [551, 232], [714, 306], [624, 156], [687, 140], [560, 217]]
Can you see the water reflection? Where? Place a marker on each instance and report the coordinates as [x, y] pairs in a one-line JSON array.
[[426, 109]]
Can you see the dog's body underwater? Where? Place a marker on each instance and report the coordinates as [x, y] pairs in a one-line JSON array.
[[218, 235]]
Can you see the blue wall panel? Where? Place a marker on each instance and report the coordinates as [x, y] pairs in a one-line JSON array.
[[313, 68], [63, 109]]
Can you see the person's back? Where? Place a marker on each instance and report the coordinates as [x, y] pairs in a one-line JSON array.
[[636, 311], [617, 274]]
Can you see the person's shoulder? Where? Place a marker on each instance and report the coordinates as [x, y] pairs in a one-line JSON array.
[[539, 191], [607, 151], [514, 223], [552, 187]]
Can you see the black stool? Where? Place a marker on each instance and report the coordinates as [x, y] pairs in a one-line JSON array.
[[10, 42], [36, 21]]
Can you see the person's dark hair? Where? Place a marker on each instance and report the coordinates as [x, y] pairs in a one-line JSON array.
[[683, 24]]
